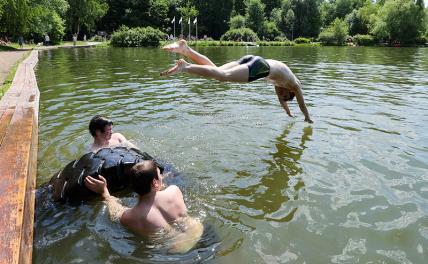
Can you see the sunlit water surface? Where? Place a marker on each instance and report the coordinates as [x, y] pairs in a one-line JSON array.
[[350, 188]]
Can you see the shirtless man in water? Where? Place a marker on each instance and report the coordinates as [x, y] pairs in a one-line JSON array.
[[101, 130], [157, 209], [247, 69]]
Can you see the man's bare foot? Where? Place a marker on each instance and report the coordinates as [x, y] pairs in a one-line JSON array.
[[180, 65], [177, 47]]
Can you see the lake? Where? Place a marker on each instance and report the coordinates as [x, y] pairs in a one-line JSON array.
[[350, 188]]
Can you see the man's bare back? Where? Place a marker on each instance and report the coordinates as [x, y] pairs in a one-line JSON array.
[[156, 210]]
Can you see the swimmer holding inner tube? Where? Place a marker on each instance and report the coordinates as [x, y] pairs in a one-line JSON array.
[[247, 69], [157, 210], [101, 130]]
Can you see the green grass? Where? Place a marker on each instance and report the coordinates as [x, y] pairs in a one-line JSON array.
[[9, 78], [6, 48], [70, 43], [15, 46], [217, 43]]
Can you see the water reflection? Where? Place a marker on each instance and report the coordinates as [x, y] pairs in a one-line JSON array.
[[271, 198]]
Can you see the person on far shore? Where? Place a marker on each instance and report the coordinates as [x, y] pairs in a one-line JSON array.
[[101, 130], [47, 40], [160, 214], [74, 39], [21, 42], [247, 69]]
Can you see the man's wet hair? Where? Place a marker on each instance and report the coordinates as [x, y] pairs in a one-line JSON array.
[[98, 122], [142, 176]]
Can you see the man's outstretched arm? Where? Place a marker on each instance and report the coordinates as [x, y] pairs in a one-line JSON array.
[[115, 208], [301, 102]]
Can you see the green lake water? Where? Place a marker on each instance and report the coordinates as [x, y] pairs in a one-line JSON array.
[[350, 188]]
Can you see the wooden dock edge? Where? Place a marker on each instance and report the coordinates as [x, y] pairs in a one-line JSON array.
[[19, 109]]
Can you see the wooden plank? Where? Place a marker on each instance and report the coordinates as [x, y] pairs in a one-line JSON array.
[[18, 164]]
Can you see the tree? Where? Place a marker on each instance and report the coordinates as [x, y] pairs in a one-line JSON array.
[[289, 19], [187, 13], [270, 5], [213, 16], [255, 15], [237, 22], [276, 16], [307, 20], [269, 30], [85, 13], [335, 34], [239, 7], [14, 17], [46, 18], [399, 20]]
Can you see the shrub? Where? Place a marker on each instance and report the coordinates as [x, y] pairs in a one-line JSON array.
[[137, 37], [281, 38], [275, 43], [97, 38], [422, 40], [364, 40], [269, 30], [241, 34], [302, 40], [327, 38]]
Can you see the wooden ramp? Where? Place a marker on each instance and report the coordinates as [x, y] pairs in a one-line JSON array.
[[18, 163]]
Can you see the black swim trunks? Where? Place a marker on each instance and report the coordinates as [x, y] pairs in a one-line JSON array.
[[257, 66]]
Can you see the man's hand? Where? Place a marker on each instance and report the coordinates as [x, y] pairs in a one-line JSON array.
[[98, 186]]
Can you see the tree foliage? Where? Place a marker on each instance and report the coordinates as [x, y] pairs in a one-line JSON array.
[[335, 34], [14, 17], [391, 20], [255, 15], [400, 20], [237, 22], [85, 13]]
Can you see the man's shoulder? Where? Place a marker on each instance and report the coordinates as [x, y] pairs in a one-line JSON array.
[[172, 188], [171, 192], [118, 135], [127, 217]]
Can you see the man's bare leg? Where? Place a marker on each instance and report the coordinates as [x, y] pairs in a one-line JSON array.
[[238, 73], [181, 47]]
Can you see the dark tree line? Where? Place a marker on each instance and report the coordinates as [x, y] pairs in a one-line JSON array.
[[394, 20]]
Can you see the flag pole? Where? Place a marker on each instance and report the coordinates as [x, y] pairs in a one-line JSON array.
[[181, 26], [173, 20], [189, 27]]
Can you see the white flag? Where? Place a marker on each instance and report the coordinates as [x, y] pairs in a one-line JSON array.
[[195, 21], [181, 19], [188, 21], [173, 20]]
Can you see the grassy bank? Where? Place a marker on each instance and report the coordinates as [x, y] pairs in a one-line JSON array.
[[9, 78], [218, 43]]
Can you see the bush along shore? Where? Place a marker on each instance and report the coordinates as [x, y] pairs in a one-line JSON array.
[[333, 36]]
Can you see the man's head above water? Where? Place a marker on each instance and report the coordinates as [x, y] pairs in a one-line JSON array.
[[146, 176], [100, 124]]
